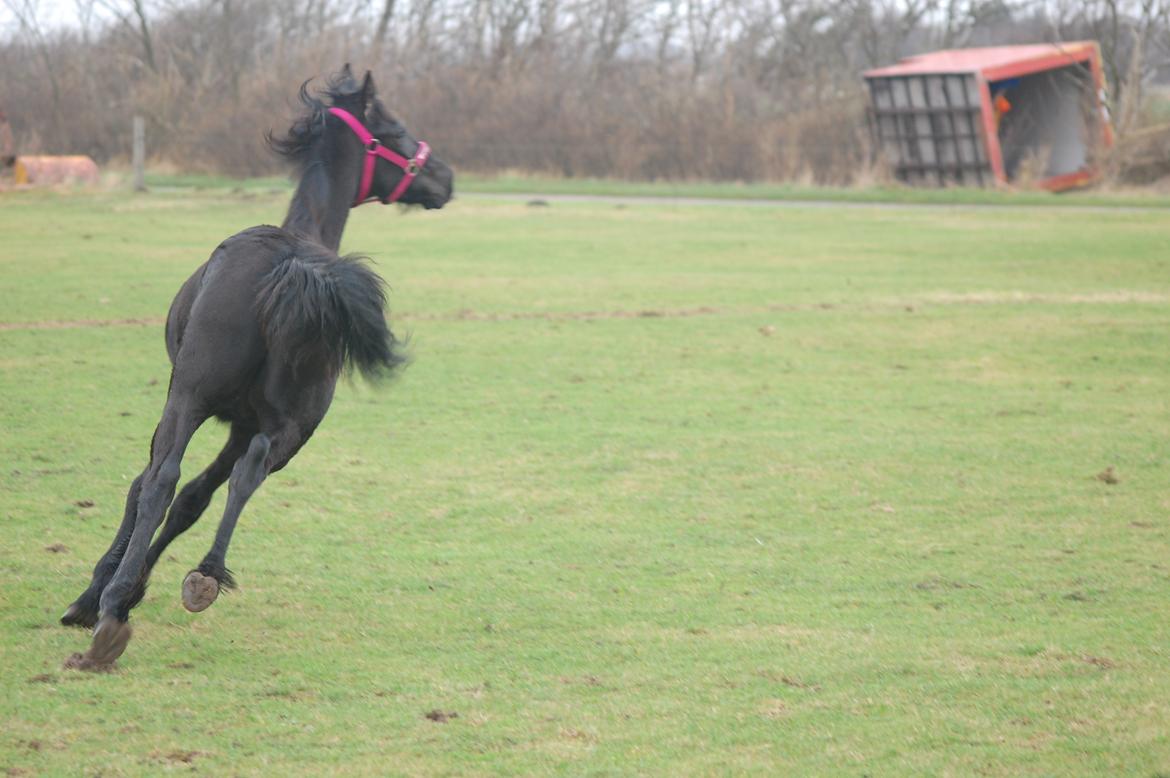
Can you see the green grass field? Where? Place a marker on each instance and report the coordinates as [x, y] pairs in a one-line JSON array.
[[668, 490]]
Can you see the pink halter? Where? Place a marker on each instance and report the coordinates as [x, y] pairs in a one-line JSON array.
[[375, 149]]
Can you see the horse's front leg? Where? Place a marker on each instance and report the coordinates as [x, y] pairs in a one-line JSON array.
[[84, 610]]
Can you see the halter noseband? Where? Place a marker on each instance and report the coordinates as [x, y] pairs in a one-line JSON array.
[[375, 149]]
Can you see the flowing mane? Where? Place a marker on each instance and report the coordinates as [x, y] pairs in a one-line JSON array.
[[297, 145]]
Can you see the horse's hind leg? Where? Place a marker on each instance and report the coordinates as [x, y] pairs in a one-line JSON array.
[[157, 488], [194, 498], [266, 453], [185, 511], [202, 585], [84, 610]]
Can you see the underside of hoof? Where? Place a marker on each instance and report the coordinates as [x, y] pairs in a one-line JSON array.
[[199, 591], [110, 639], [77, 615]]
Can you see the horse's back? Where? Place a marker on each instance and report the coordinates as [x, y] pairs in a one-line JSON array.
[[214, 336]]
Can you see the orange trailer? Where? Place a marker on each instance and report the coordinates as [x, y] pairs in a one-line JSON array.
[[994, 115]]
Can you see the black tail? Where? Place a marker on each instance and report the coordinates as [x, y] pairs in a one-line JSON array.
[[326, 311]]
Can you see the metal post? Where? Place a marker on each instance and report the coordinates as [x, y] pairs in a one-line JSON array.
[[139, 154]]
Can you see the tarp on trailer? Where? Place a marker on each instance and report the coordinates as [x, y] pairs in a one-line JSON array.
[[47, 170], [1002, 114]]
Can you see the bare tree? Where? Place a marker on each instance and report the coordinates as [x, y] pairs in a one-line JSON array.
[[642, 88], [26, 14], [380, 30]]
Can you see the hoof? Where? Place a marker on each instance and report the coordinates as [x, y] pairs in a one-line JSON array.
[[199, 591], [110, 639], [77, 615]]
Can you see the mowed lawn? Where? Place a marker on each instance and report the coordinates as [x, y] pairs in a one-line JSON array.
[[667, 490]]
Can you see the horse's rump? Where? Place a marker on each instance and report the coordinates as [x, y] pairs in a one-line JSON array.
[[319, 310]]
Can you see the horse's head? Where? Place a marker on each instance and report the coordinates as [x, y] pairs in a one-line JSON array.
[[409, 173]]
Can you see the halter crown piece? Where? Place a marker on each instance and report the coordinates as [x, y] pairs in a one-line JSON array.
[[375, 149]]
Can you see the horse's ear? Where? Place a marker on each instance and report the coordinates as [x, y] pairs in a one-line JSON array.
[[346, 70], [369, 91]]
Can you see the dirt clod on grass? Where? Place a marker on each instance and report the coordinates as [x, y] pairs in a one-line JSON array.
[[187, 757], [177, 755], [439, 717], [796, 683], [773, 709], [56, 548], [84, 503], [1108, 476]]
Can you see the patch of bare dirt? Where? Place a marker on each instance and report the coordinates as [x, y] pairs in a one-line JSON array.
[[1010, 297], [42, 678], [797, 683], [467, 314], [289, 694], [588, 680], [1108, 476], [56, 548], [178, 756], [941, 298], [773, 709], [1100, 661], [943, 583], [441, 717], [62, 324]]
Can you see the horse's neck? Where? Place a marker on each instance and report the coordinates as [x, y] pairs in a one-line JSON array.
[[319, 208]]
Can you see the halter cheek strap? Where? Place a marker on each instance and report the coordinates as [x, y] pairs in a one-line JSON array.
[[374, 149]]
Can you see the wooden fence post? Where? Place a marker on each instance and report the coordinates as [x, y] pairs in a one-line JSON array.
[[139, 154]]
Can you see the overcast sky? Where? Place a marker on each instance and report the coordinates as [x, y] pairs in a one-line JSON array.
[[50, 14]]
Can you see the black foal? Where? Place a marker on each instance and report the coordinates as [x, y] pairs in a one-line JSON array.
[[258, 337]]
